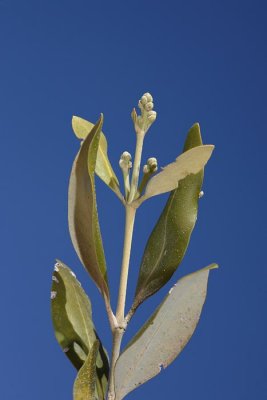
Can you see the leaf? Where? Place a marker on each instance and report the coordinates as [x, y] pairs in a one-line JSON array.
[[170, 237], [164, 335], [72, 320], [82, 211], [85, 383], [190, 162], [103, 168]]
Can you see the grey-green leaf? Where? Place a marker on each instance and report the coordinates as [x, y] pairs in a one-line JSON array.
[[170, 237], [190, 162], [73, 325], [85, 382], [82, 210], [164, 335], [103, 168]]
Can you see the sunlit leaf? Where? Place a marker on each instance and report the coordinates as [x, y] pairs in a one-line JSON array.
[[82, 210], [190, 162], [164, 335], [85, 382], [73, 324], [103, 168], [170, 237]]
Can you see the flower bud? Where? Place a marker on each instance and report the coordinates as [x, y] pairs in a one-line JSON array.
[[152, 164], [148, 96], [126, 156], [143, 100], [149, 106], [125, 161], [143, 122]]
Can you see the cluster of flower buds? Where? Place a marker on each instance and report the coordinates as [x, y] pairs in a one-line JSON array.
[[151, 166], [143, 122], [125, 161]]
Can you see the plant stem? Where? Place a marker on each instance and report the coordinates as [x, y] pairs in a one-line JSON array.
[[129, 224], [136, 167], [130, 211], [117, 338], [118, 331]]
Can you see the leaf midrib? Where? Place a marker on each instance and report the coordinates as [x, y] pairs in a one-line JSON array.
[[82, 314], [163, 246]]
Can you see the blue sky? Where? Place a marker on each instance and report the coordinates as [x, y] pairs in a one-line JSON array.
[[202, 61]]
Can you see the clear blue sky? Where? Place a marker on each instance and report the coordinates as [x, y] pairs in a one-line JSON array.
[[203, 61]]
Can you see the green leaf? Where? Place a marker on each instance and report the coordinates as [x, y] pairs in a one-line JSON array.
[[164, 335], [72, 320], [82, 210], [170, 237], [85, 383], [190, 162], [103, 168]]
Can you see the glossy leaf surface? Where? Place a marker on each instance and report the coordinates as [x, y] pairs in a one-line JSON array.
[[73, 324], [164, 335], [82, 210], [190, 162], [103, 168], [85, 382], [170, 237]]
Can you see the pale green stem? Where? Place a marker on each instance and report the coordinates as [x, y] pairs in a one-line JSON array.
[[136, 167], [129, 224], [130, 212], [126, 181], [120, 328], [117, 338]]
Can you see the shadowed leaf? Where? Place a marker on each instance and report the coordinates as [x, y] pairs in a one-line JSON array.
[[190, 162], [82, 210], [73, 324], [170, 237], [103, 168], [164, 335], [85, 382]]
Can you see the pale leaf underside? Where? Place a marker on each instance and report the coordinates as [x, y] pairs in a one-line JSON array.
[[103, 168], [190, 162], [164, 335]]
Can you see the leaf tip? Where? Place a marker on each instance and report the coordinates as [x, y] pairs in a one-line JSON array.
[[196, 125], [74, 121], [213, 266]]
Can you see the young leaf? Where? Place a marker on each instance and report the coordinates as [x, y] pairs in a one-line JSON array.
[[190, 162], [85, 383], [103, 168], [82, 210], [170, 237], [74, 328], [164, 335]]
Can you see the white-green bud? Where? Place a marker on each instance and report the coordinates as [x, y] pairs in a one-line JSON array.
[[143, 100], [201, 194], [126, 156], [149, 106], [152, 164], [125, 160], [143, 122], [148, 96]]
